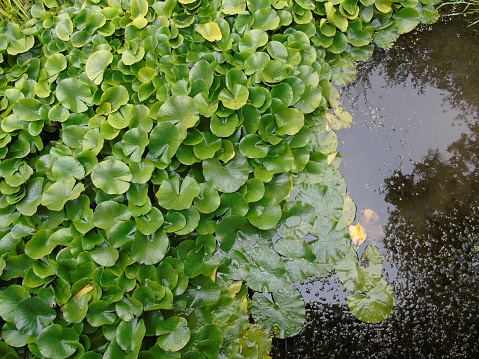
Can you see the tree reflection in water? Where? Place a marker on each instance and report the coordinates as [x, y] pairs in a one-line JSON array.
[[432, 236]]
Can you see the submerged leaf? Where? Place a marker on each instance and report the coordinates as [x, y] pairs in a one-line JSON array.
[[284, 316]]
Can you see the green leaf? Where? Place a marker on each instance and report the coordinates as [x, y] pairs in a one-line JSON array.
[[233, 7], [33, 314], [208, 200], [74, 95], [39, 245], [105, 256], [256, 62], [253, 39], [384, 6], [115, 96], [150, 249], [235, 98], [273, 72], [181, 110], [173, 334], [64, 29], [284, 316], [172, 195], [138, 8], [27, 109], [133, 143], [55, 197], [165, 138], [108, 213], [298, 218], [129, 335], [96, 65], [67, 168], [100, 313], [406, 19], [57, 342], [373, 306], [227, 177], [14, 337], [128, 308], [252, 146], [150, 222], [265, 213], [335, 18], [9, 298], [76, 309], [261, 267], [112, 176], [33, 197]]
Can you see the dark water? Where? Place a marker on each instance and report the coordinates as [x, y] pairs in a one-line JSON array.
[[411, 163]]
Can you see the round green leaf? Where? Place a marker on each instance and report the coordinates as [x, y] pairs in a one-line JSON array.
[[9, 298], [108, 213], [298, 218], [253, 39], [173, 334], [55, 197], [33, 314], [179, 109], [112, 176], [33, 197], [150, 249], [13, 337], [165, 138], [264, 214], [265, 271], [101, 313], [273, 72], [373, 306], [235, 98], [284, 317], [150, 222], [57, 342], [96, 64], [67, 168], [228, 177], [74, 95], [252, 146], [208, 200], [55, 64], [27, 109], [105, 256], [133, 143], [39, 246], [172, 195], [129, 335], [116, 96]]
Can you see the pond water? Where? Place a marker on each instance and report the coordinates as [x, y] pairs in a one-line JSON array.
[[411, 163]]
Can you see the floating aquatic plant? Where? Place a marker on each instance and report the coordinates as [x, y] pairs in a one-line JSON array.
[[149, 150]]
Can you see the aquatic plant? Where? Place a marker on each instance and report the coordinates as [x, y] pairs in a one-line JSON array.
[[461, 7], [15, 11], [149, 150]]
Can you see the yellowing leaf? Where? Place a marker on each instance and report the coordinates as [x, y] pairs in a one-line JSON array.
[[210, 31], [370, 220], [85, 290], [358, 234]]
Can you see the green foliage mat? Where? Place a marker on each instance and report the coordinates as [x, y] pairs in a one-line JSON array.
[[149, 150]]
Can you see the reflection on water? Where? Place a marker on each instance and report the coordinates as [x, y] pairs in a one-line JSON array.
[[411, 162]]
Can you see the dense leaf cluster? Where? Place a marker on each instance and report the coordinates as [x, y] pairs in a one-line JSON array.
[[148, 149]]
